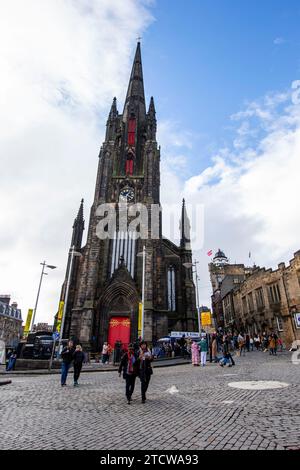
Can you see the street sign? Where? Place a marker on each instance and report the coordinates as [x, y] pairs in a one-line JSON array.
[[205, 318]]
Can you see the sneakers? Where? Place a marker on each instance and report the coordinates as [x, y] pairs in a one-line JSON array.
[[75, 384]]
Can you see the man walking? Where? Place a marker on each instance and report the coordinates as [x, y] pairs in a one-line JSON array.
[[67, 358]]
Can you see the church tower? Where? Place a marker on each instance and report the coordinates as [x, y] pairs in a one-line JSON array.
[[107, 286]]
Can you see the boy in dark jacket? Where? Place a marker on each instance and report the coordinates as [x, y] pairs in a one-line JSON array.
[[78, 358]]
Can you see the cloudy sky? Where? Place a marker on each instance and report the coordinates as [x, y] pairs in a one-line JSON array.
[[226, 81]]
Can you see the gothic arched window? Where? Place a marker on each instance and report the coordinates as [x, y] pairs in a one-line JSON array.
[[129, 163], [171, 289], [131, 131]]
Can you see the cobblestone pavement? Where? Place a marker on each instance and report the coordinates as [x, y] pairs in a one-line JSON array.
[[205, 413]]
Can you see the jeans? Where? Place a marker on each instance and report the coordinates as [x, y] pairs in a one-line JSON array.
[[64, 372], [203, 357], [231, 359], [145, 379], [104, 358], [130, 383], [77, 370]]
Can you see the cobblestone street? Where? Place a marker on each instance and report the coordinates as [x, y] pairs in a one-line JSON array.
[[204, 412]]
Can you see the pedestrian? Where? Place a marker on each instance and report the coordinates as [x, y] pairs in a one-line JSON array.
[[105, 353], [109, 351], [183, 345], [78, 358], [144, 368], [117, 351], [12, 361], [9, 353], [241, 342], [247, 343], [195, 354], [251, 343], [280, 344], [226, 351], [257, 342], [272, 345], [128, 365], [203, 349], [214, 349], [67, 358]]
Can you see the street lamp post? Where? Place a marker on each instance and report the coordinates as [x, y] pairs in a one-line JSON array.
[[39, 289], [143, 289], [73, 254], [197, 295], [143, 254]]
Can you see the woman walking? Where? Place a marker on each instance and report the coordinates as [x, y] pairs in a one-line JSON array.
[[145, 369], [78, 358], [128, 365], [195, 354]]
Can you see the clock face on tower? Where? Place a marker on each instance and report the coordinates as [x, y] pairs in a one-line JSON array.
[[127, 195]]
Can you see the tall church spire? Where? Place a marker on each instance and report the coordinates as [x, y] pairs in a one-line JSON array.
[[111, 124], [135, 98], [185, 229], [78, 228], [151, 121]]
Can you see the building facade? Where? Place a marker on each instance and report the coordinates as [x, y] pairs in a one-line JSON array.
[[10, 322], [219, 269], [106, 280], [267, 300]]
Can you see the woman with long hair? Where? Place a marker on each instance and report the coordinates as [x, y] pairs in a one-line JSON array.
[[144, 367]]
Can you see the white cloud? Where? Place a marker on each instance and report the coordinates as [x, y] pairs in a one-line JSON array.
[[61, 63], [250, 191], [278, 41]]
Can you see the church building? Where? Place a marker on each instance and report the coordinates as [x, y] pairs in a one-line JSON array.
[[105, 289]]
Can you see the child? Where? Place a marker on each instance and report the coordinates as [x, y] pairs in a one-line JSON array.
[[225, 360]]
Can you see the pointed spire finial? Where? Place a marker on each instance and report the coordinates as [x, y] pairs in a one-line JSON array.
[[135, 98], [113, 110], [151, 110], [78, 227]]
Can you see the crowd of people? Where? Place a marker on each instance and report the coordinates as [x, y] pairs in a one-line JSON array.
[[134, 362], [221, 345]]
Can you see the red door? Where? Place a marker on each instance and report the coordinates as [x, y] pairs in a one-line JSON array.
[[119, 330]]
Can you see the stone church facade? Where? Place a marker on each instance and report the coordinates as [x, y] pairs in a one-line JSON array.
[[106, 280]]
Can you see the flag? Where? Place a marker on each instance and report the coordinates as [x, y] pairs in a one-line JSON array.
[[140, 319], [28, 321], [210, 252]]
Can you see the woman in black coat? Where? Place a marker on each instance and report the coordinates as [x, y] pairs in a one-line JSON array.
[[78, 358], [144, 368], [129, 365]]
